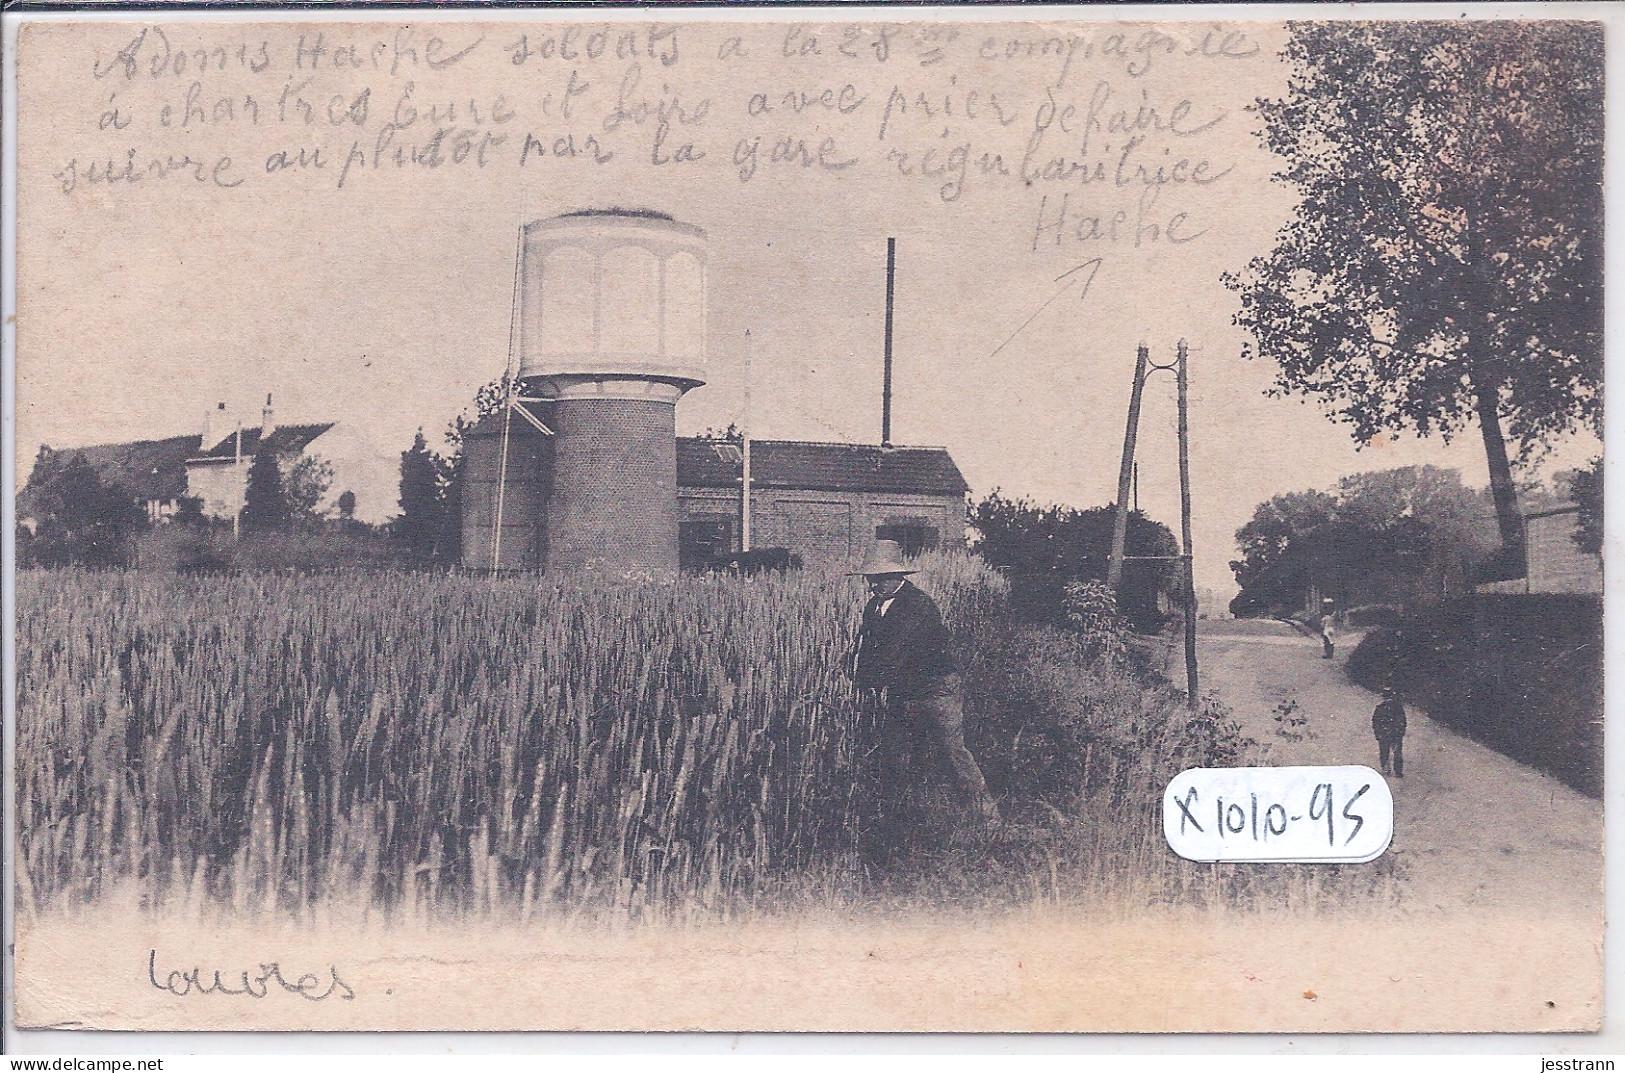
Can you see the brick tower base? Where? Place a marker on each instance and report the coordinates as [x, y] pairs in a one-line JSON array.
[[614, 503]]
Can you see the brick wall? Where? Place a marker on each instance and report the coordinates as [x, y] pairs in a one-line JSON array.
[[827, 529], [614, 501]]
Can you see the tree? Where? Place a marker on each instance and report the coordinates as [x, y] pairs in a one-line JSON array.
[[1444, 266], [1275, 527], [1585, 489], [346, 505], [1043, 549], [78, 518], [488, 400], [265, 504], [305, 480], [421, 524], [1379, 538]]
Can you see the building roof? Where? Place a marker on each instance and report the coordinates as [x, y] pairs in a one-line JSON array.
[[823, 467], [820, 467], [145, 469], [283, 438]]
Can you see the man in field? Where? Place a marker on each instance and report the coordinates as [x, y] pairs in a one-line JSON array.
[[903, 651], [1388, 724]]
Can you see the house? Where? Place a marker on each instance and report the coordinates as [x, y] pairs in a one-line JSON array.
[[212, 467], [218, 477], [152, 472]]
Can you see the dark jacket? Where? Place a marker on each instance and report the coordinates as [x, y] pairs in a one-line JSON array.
[[906, 649], [1388, 721]]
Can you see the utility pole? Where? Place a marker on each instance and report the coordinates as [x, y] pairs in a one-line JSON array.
[[744, 462], [885, 394], [1185, 523], [237, 470], [509, 390], [1125, 475]]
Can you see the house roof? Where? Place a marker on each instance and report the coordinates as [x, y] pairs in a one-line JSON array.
[[283, 438], [824, 467], [145, 469]]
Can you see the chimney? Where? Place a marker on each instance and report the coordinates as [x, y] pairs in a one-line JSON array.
[[267, 423], [214, 426]]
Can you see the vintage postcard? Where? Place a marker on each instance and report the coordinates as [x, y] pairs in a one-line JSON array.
[[643, 521]]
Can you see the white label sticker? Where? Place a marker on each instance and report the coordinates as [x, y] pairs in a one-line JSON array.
[[1313, 815]]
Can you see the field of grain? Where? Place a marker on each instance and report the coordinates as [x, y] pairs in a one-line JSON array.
[[445, 744]]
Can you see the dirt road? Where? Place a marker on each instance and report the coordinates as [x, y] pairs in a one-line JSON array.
[[1471, 827]]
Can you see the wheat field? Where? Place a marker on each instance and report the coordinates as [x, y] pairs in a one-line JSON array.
[[439, 741], [438, 745]]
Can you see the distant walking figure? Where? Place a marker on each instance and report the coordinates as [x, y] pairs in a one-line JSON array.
[[903, 650], [1328, 630], [1388, 724]]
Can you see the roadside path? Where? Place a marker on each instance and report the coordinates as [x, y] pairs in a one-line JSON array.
[[1471, 827]]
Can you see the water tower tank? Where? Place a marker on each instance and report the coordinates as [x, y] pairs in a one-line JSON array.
[[612, 317]]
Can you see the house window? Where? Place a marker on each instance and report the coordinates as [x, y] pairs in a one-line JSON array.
[[702, 540], [914, 534]]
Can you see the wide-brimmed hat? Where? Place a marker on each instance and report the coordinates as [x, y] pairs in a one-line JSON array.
[[886, 557]]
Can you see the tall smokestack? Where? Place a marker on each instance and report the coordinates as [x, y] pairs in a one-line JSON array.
[[885, 395]]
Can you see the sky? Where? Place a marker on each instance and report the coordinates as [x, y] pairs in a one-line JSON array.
[[1040, 180]]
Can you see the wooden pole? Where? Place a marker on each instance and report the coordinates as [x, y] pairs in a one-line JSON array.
[[744, 474], [237, 470], [885, 394], [1192, 697], [1125, 475]]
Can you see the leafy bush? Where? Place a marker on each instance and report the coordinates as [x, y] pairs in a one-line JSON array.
[[1368, 615], [77, 517], [1521, 673], [1044, 549], [186, 549], [314, 547]]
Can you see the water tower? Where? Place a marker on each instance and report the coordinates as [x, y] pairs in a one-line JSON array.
[[612, 332]]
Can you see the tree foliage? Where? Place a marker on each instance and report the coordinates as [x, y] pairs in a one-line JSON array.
[[306, 478], [1043, 549], [1585, 489], [1444, 264], [1378, 538], [265, 503], [422, 524], [76, 517]]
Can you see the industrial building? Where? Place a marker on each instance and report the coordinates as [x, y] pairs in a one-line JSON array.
[[585, 470], [823, 502]]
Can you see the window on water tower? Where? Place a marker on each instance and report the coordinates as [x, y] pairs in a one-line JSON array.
[[701, 541], [914, 534]]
